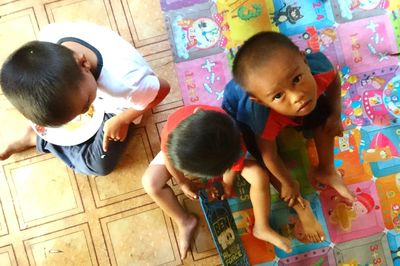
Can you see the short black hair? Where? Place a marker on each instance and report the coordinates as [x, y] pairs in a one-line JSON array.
[[39, 79], [257, 51], [205, 144]]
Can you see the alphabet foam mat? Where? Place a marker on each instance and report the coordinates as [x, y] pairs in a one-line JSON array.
[[357, 36]]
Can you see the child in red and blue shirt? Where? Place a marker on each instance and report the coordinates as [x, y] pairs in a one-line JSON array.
[[276, 85]]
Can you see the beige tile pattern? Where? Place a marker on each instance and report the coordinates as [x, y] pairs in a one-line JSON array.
[[50, 215]]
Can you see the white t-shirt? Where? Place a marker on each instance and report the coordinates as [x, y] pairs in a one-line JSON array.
[[125, 78]]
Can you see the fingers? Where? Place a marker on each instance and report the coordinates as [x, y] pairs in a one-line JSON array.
[[300, 200], [191, 195], [105, 143], [291, 202]]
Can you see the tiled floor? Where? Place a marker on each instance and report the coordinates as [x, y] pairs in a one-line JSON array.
[[53, 216]]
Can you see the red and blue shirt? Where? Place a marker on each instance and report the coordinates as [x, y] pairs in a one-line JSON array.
[[263, 121]]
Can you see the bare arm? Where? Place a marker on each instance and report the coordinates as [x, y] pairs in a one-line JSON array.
[[228, 180], [117, 126], [187, 186]]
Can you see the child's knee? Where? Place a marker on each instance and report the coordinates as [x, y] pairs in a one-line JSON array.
[[152, 182]]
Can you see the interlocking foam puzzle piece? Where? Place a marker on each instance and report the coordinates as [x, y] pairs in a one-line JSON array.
[[202, 80], [363, 219], [318, 257], [176, 4], [394, 246], [257, 251], [346, 10], [323, 40], [284, 218], [195, 31], [388, 188], [371, 97], [292, 16], [347, 160], [374, 137], [372, 250], [366, 42], [244, 18], [395, 20]]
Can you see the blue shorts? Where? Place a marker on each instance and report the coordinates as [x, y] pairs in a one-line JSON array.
[[88, 157]]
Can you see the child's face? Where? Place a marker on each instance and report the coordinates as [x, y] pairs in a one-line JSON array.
[[84, 96], [284, 84]]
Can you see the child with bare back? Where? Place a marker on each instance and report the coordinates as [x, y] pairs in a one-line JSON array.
[[276, 85], [204, 141]]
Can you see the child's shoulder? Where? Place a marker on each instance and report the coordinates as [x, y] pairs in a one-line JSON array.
[[319, 63]]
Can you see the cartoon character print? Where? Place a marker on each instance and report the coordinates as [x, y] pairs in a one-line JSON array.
[[326, 38], [203, 32], [287, 13], [343, 214], [226, 238], [368, 4], [377, 154]]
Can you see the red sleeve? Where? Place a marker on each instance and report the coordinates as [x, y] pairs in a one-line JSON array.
[[275, 123], [239, 165], [323, 80]]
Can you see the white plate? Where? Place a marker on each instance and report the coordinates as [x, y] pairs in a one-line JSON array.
[[78, 130]]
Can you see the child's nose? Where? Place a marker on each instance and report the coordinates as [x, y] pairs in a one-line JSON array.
[[298, 97]]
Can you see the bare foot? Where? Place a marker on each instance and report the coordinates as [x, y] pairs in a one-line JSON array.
[[269, 235], [334, 180], [312, 228], [28, 140], [186, 230]]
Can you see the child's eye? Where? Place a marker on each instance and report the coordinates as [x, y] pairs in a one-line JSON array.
[[277, 96], [297, 79]]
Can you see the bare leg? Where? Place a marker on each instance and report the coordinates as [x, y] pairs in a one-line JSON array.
[[155, 184], [20, 143], [260, 198], [325, 172]]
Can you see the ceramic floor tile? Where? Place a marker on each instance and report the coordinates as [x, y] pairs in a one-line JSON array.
[[125, 181], [22, 22], [43, 189], [72, 246], [139, 238], [7, 256]]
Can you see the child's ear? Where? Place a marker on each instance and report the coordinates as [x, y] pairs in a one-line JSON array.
[[83, 62]]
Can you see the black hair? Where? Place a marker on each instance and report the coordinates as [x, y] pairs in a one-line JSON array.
[[39, 79], [205, 144], [257, 51]]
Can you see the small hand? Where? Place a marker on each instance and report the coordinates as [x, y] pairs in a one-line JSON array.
[[115, 129], [215, 193], [228, 189], [190, 188], [290, 192]]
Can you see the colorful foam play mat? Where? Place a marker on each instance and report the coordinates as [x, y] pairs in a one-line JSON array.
[[358, 37]]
